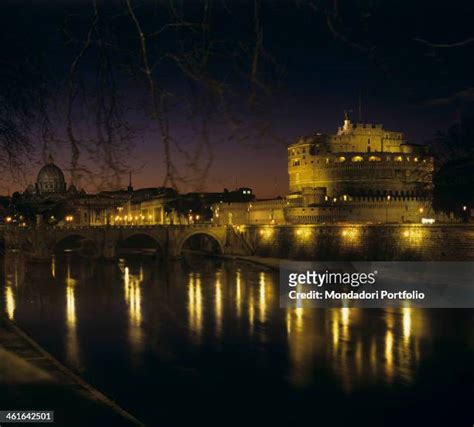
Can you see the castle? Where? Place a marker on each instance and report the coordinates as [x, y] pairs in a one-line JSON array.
[[363, 173]]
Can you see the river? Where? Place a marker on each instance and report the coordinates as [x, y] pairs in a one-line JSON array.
[[203, 341]]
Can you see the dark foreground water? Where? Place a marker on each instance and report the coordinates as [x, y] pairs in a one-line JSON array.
[[204, 342]]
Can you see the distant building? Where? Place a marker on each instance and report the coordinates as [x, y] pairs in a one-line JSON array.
[[49, 201], [50, 179], [363, 173], [50, 183]]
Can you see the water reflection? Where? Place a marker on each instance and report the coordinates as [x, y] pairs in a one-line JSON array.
[[342, 346], [302, 346], [389, 355], [195, 306], [133, 300], [213, 307], [358, 349], [238, 293], [53, 266], [13, 275], [251, 312], [218, 304], [396, 354], [10, 301], [262, 301], [406, 323], [72, 344]]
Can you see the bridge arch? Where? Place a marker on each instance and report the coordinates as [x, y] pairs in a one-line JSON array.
[[75, 242], [201, 240], [139, 241]]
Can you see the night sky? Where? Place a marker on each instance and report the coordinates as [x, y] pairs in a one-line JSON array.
[[410, 63]]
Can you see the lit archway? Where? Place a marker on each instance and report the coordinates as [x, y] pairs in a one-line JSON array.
[[201, 242]]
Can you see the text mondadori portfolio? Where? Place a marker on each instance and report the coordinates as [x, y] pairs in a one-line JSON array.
[[300, 282]]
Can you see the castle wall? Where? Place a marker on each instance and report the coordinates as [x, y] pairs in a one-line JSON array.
[[255, 212], [364, 209], [363, 242], [358, 173], [352, 210]]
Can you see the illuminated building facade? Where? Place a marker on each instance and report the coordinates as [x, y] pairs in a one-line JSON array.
[[363, 173], [50, 202], [360, 160]]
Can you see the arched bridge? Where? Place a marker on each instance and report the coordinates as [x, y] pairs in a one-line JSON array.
[[106, 241]]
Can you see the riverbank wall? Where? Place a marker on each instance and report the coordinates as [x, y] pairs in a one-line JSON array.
[[397, 242], [34, 380]]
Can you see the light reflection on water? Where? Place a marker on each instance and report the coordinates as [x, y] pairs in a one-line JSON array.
[[218, 304], [168, 312], [72, 343], [195, 306], [12, 276], [133, 300]]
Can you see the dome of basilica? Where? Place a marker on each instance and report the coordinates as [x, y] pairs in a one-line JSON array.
[[50, 179]]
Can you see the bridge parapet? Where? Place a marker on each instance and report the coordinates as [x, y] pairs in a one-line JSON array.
[[41, 242]]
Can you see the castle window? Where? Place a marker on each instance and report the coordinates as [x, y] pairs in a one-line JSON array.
[[341, 159], [398, 159], [374, 159], [357, 159]]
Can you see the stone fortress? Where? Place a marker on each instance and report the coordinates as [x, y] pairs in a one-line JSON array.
[[363, 173]]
